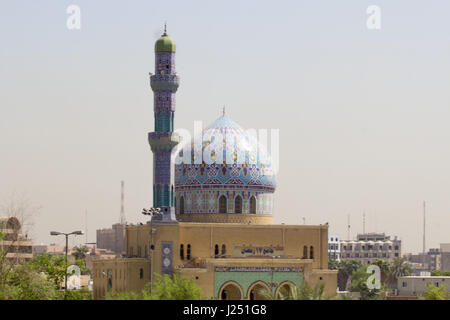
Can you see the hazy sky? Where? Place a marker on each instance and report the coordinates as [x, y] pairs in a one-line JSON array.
[[363, 114]]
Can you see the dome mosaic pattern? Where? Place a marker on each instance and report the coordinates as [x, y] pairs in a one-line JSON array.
[[231, 163]]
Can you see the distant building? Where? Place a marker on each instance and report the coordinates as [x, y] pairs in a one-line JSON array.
[[417, 285], [334, 248], [371, 246], [112, 239], [431, 260], [52, 249], [13, 242], [445, 256]]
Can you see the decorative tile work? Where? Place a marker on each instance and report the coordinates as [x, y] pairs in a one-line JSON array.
[[242, 168]]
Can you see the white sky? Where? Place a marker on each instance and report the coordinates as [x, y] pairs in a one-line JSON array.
[[363, 114]]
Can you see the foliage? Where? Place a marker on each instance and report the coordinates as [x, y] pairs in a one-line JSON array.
[[359, 284], [39, 279], [345, 270], [385, 269], [333, 264], [302, 292], [25, 283], [80, 252], [130, 295], [400, 267], [436, 293], [165, 287], [440, 273]]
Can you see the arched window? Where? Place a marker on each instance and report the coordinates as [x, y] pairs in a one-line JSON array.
[[224, 249], [238, 204], [305, 252], [182, 205], [188, 253], [252, 204], [311, 252], [181, 252], [216, 249], [141, 273], [222, 204]]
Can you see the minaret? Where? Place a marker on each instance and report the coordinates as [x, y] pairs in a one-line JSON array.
[[164, 84]]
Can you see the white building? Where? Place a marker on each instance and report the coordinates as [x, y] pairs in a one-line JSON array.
[[334, 248], [417, 285], [370, 246]]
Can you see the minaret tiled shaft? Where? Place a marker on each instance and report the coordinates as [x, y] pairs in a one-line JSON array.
[[164, 84]]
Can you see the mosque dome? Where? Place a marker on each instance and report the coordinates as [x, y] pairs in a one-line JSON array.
[[165, 44], [226, 172]]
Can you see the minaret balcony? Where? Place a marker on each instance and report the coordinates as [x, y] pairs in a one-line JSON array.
[[164, 82], [163, 141]]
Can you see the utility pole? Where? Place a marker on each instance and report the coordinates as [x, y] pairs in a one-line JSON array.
[[348, 227], [364, 222], [122, 199], [424, 213]]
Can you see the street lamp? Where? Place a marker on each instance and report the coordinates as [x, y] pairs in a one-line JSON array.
[[151, 212], [56, 233]]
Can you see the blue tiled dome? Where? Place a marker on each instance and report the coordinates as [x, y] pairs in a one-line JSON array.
[[228, 172], [244, 163]]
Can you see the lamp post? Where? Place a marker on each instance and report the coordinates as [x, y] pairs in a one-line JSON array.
[[56, 233], [151, 212]]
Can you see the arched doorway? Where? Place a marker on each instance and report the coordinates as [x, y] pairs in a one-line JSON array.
[[258, 291], [222, 204], [230, 291], [238, 204], [252, 204], [182, 205], [284, 290]]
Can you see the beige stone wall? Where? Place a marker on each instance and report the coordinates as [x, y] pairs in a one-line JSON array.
[[125, 275], [203, 237]]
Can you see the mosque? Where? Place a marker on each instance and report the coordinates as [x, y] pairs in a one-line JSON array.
[[214, 220]]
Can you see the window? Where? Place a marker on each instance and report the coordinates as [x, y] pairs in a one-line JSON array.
[[403, 284], [311, 252], [252, 204], [224, 249], [305, 252], [182, 205], [188, 253], [216, 250], [141, 273], [223, 204], [238, 204], [181, 252]]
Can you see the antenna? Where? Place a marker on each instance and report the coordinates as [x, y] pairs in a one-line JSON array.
[[122, 196], [86, 225], [348, 227], [364, 222], [424, 213]]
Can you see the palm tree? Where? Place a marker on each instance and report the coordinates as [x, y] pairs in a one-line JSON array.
[[385, 269], [302, 292], [400, 267], [80, 253], [346, 268]]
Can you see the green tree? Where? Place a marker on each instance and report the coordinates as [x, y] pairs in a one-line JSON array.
[[345, 270], [400, 267], [359, 284], [165, 287], [302, 292], [385, 269], [80, 253], [440, 273], [333, 264], [436, 293]]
